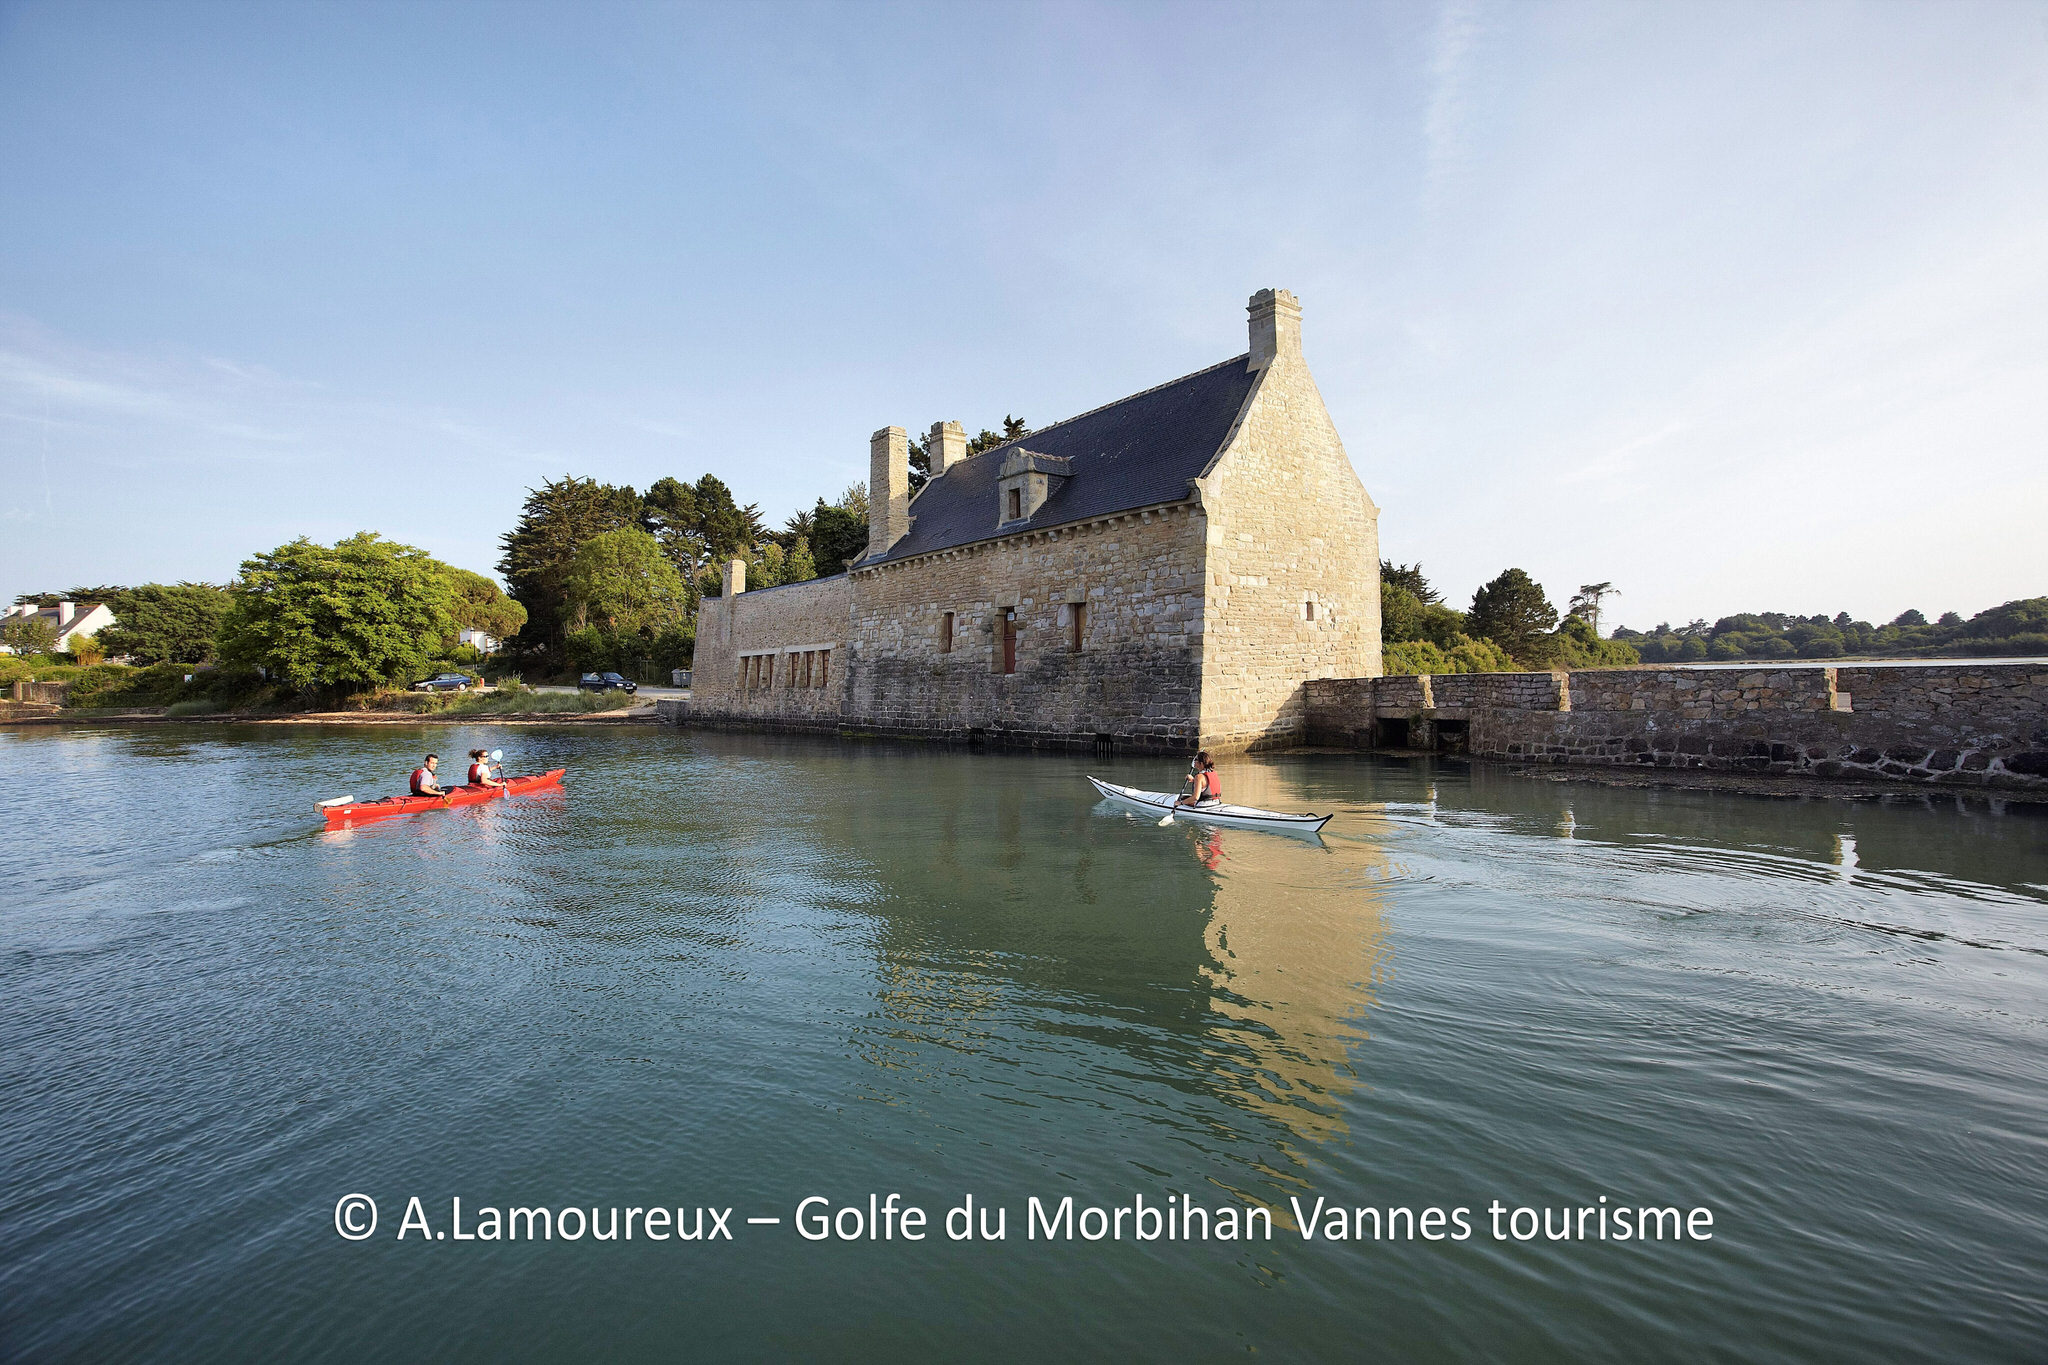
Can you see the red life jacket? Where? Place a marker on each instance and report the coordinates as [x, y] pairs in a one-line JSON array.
[[419, 775], [1212, 784], [477, 774]]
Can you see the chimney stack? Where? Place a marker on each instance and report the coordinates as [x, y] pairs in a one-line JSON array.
[[888, 489], [65, 612], [1276, 325], [947, 446], [734, 580]]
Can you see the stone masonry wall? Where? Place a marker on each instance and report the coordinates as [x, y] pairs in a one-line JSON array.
[[781, 625], [1959, 724], [1136, 677], [1293, 572]]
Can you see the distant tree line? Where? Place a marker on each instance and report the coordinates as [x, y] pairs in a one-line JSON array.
[[1510, 625], [2018, 627]]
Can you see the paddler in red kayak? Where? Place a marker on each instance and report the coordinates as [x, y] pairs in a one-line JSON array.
[[480, 769], [424, 783]]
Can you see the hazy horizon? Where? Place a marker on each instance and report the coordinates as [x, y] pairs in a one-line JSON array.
[[1742, 308]]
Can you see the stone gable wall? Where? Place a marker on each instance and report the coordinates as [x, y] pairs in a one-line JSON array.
[[1136, 678], [1289, 523], [783, 622], [1961, 724]]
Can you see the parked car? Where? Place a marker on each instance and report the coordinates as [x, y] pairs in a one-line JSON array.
[[445, 682], [606, 682]]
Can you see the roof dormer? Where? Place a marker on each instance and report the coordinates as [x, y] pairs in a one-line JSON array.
[[1023, 483]]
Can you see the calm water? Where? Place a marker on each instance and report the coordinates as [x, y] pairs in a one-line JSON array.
[[734, 972]]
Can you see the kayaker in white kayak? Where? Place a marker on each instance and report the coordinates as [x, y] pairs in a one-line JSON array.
[[1208, 787], [424, 783], [480, 769]]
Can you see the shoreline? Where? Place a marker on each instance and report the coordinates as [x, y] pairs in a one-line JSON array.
[[638, 715]]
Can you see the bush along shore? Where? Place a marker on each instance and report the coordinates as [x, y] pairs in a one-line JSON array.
[[62, 692]]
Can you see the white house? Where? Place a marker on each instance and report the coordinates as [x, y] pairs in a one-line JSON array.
[[71, 620], [484, 642]]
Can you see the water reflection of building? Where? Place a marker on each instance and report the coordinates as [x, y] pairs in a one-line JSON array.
[[1013, 919], [1297, 948]]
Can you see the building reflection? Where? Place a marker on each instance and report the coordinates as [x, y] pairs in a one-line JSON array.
[[1019, 917]]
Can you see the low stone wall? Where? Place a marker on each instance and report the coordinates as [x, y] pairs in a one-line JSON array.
[[1962, 724], [41, 693]]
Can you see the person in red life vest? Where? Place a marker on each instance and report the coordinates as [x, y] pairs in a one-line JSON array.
[[1208, 787], [424, 783], [480, 769]]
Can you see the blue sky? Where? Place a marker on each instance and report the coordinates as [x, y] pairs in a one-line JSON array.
[[1741, 307]]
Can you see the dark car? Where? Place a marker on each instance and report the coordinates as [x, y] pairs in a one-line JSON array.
[[445, 682], [606, 682]]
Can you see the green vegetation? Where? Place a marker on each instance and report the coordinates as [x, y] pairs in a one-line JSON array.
[[508, 699], [2015, 628], [1511, 626], [165, 622], [362, 612], [29, 635]]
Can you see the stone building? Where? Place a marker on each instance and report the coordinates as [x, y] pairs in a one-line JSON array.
[[1162, 573]]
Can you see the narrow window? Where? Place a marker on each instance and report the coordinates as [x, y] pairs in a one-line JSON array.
[[824, 665], [790, 680], [1016, 503], [1308, 610], [747, 672], [1010, 640], [946, 633], [1078, 624], [767, 670], [810, 658]]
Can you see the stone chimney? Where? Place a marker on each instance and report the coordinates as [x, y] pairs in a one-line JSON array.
[[947, 446], [888, 489], [1276, 325], [66, 613], [733, 581]]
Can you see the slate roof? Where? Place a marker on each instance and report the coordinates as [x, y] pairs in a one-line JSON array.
[[1137, 452]]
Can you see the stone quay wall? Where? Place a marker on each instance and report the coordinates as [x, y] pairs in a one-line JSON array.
[[1136, 578], [773, 658], [1958, 724]]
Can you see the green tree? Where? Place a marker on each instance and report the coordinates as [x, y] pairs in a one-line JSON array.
[[1586, 604], [558, 517], [1408, 577], [362, 612], [480, 604], [1513, 612], [1574, 645], [29, 635], [800, 567], [837, 536], [166, 623], [622, 580]]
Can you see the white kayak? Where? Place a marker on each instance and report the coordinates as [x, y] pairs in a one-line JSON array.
[[1240, 817]]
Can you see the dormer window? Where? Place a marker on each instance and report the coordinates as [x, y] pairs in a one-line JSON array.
[[1025, 481]]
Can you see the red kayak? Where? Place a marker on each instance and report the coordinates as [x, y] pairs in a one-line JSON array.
[[346, 811]]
